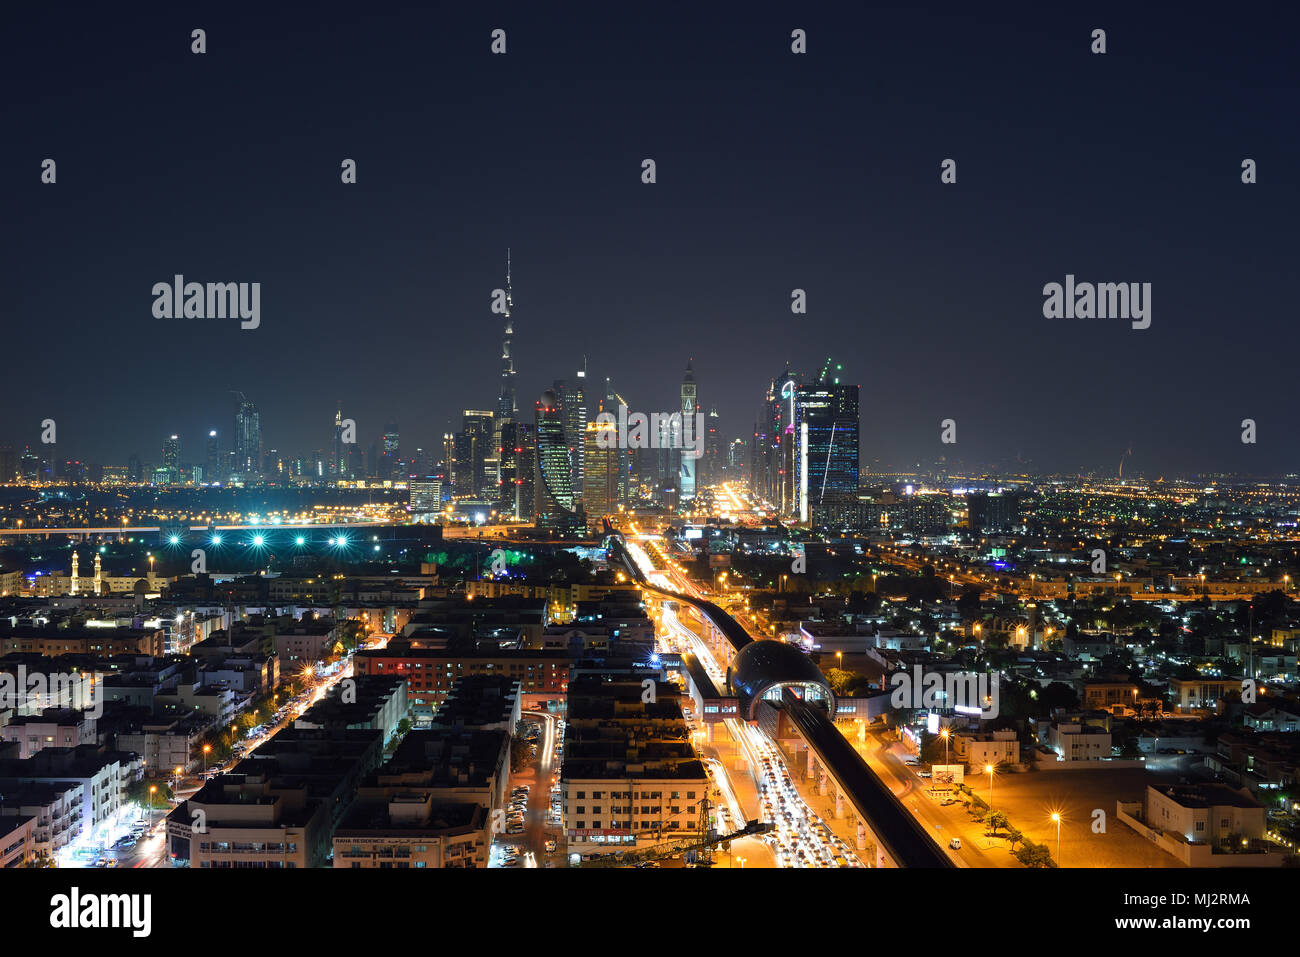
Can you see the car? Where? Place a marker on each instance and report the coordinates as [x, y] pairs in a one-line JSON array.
[[515, 829], [551, 847], [955, 843]]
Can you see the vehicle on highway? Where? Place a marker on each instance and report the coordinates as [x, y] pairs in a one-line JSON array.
[[955, 843]]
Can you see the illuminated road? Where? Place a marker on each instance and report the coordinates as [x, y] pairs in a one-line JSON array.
[[800, 837]]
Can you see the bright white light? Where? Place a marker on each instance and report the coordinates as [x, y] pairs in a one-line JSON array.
[[216, 539], [258, 541], [300, 540]]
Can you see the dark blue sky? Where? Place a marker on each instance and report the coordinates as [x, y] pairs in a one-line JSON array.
[[775, 171]]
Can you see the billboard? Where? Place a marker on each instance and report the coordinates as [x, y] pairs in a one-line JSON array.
[[945, 777]]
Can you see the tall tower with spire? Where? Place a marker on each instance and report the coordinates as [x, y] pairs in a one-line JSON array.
[[506, 405]]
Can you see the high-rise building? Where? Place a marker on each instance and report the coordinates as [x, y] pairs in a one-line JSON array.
[[507, 407], [473, 446], [389, 465], [248, 439], [516, 496], [213, 473], [554, 508], [828, 430], [600, 490], [712, 465], [736, 459], [611, 405], [172, 453], [448, 462], [572, 397], [338, 462], [8, 463], [992, 512], [689, 463], [779, 458]]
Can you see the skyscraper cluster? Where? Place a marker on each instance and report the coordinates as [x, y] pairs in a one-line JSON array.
[[805, 451]]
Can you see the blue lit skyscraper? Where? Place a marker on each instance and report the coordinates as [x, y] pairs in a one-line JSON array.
[[827, 463]]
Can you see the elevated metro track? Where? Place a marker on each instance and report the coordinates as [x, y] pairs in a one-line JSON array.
[[903, 837]]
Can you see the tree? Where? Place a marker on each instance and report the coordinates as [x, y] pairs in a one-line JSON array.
[[1034, 855], [1059, 695], [839, 680], [519, 746], [1014, 835], [996, 821]]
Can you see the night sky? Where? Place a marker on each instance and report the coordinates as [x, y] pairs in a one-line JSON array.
[[775, 171]]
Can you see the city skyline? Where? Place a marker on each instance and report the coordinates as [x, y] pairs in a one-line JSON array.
[[378, 293], [736, 436]]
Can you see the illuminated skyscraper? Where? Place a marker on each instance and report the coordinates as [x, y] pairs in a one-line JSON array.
[[214, 473], [555, 510], [248, 438], [600, 491], [827, 413], [172, 453], [507, 407], [473, 449], [392, 452], [338, 462], [572, 397], [516, 494], [712, 465], [687, 461]]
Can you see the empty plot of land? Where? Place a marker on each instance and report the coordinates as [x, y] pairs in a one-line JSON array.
[[1029, 800]]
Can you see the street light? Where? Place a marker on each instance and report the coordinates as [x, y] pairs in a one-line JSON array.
[[206, 749], [1057, 818], [989, 769], [153, 789], [944, 734]]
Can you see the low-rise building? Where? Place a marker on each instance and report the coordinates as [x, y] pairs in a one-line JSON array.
[[412, 830], [52, 728], [1077, 742], [977, 749], [630, 774], [17, 840]]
